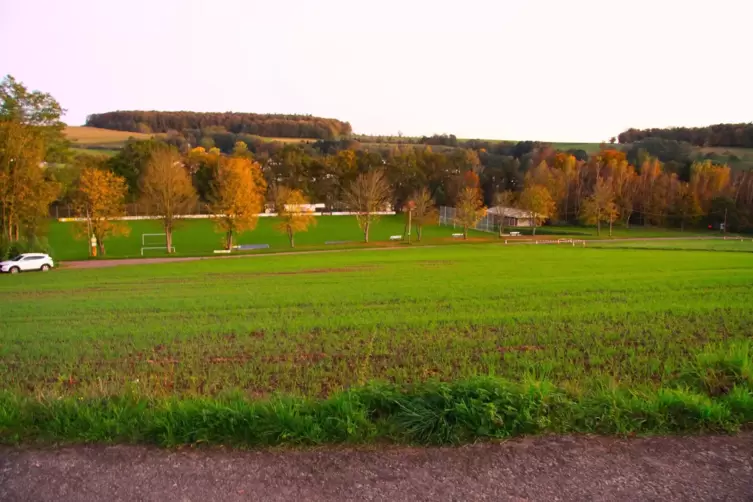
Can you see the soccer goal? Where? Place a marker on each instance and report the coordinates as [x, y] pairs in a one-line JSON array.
[[151, 242]]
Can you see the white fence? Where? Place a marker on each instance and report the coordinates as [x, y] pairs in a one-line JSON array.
[[488, 223]]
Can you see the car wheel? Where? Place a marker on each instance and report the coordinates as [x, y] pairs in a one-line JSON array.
[[45, 268], [15, 270]]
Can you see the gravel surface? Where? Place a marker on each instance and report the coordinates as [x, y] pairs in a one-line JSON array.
[[546, 468]]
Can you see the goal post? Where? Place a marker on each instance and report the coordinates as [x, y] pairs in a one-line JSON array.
[[151, 242]]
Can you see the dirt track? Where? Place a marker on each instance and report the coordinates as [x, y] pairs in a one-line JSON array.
[[549, 468]]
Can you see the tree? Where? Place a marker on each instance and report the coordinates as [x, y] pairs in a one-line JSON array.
[[25, 190], [424, 210], [685, 204], [100, 197], [367, 195], [600, 206], [37, 110], [469, 209], [237, 196], [293, 212], [167, 190], [503, 201], [538, 202], [131, 161]]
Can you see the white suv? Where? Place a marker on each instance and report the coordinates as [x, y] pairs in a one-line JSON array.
[[27, 261]]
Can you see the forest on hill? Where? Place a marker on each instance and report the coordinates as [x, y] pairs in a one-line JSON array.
[[725, 135], [191, 123]]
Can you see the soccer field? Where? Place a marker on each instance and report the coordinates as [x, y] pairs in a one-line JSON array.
[[200, 236], [654, 341]]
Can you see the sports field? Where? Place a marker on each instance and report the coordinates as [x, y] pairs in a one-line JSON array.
[[200, 237], [429, 345]]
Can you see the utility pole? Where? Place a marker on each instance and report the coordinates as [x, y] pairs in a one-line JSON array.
[[725, 220]]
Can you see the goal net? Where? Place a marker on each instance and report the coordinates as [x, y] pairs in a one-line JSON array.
[[154, 242]]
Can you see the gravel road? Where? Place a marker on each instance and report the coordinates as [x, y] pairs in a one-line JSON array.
[[546, 468]]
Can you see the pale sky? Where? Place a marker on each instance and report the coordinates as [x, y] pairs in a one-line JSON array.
[[552, 70]]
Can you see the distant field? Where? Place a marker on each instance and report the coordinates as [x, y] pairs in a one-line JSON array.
[[94, 151], [92, 136]]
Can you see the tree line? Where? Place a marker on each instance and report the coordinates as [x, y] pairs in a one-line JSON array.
[[272, 125], [611, 187], [726, 135]]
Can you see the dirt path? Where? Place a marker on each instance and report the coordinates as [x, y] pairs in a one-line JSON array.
[[144, 261], [549, 468]]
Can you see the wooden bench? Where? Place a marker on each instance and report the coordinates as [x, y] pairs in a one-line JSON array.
[[396, 237], [248, 247], [514, 234], [457, 236]]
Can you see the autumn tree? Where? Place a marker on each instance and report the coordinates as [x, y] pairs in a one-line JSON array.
[[469, 208], [502, 202], [367, 195], [38, 111], [685, 204], [237, 196], [167, 191], [293, 212], [536, 200], [600, 206], [424, 212], [99, 199]]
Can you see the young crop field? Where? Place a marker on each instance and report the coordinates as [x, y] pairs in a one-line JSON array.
[[421, 345]]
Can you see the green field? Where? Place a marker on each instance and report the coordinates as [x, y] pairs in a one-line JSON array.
[[199, 237], [427, 345], [716, 244]]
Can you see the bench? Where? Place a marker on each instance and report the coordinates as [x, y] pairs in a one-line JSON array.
[[396, 237], [337, 242], [247, 247], [514, 234], [457, 236], [221, 251]]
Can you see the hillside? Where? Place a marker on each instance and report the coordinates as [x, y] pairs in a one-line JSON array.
[[94, 137]]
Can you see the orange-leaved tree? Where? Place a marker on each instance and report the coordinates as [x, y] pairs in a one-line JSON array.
[[99, 198], [293, 211], [167, 190], [366, 196], [538, 202], [600, 206], [237, 196], [469, 208], [424, 212]]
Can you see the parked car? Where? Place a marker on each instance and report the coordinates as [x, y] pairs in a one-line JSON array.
[[26, 262]]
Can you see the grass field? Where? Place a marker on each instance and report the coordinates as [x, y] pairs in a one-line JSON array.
[[199, 237], [734, 244], [425, 345]]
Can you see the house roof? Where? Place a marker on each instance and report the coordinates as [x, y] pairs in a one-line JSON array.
[[511, 212]]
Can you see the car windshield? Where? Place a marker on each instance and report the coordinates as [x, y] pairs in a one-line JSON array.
[[17, 258]]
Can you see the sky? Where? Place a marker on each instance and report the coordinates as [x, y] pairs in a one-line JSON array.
[[550, 70]]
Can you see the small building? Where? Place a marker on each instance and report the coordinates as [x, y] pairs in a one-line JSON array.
[[512, 217]]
